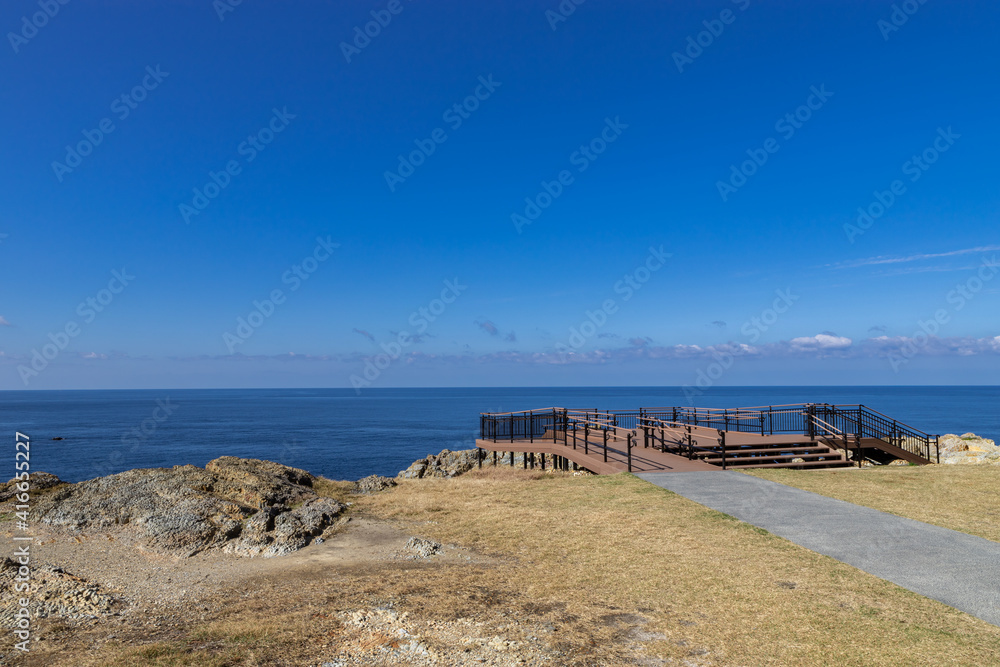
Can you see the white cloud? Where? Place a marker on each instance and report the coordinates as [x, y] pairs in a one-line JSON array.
[[820, 342], [4, 322], [885, 259]]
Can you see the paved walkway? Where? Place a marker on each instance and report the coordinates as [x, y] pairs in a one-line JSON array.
[[959, 570]]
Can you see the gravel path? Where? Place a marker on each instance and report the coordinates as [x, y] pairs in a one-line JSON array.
[[957, 569]]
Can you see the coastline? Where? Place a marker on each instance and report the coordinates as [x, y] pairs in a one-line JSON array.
[[449, 563]]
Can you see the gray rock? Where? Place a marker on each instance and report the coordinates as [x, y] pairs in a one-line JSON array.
[[418, 547], [38, 481], [445, 464], [373, 484], [244, 506], [968, 449]]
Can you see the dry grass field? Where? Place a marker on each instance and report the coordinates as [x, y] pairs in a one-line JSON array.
[[715, 590], [964, 498], [548, 568]]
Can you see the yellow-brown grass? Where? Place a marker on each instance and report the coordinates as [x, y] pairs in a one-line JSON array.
[[603, 569], [964, 498], [708, 582]]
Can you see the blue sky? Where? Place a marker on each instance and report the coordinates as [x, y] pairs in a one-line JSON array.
[[638, 194]]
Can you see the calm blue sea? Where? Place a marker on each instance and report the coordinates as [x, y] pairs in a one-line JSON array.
[[337, 434]]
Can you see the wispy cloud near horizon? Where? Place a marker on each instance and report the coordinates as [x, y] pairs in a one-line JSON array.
[[887, 259]]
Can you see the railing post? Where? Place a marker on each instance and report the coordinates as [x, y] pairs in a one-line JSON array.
[[565, 421], [605, 445], [629, 447], [531, 435], [553, 425], [586, 437], [722, 441], [574, 435], [494, 421], [690, 443]]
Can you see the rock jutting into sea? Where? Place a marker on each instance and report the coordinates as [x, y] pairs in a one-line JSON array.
[[246, 507]]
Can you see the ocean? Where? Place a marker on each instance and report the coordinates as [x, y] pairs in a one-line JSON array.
[[338, 434]]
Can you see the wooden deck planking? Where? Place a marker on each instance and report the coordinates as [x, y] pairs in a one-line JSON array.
[[643, 459]]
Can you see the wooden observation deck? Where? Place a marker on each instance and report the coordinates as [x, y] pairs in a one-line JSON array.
[[806, 435]]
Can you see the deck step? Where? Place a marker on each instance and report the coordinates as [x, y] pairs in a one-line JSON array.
[[832, 463], [736, 460], [776, 450]]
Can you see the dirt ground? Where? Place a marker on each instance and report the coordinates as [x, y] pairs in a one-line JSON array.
[[359, 598]]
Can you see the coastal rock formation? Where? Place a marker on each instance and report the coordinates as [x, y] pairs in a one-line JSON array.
[[373, 484], [445, 464], [39, 481], [244, 506], [967, 449]]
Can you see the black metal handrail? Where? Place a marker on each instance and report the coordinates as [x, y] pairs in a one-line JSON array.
[[852, 420], [686, 440]]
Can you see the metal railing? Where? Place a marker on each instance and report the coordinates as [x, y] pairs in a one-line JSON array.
[[810, 419], [864, 422], [683, 438]]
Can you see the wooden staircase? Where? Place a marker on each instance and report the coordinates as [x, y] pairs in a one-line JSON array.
[[746, 450]]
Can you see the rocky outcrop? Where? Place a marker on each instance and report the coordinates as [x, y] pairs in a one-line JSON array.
[[38, 482], [244, 506], [967, 449], [373, 484], [445, 464]]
